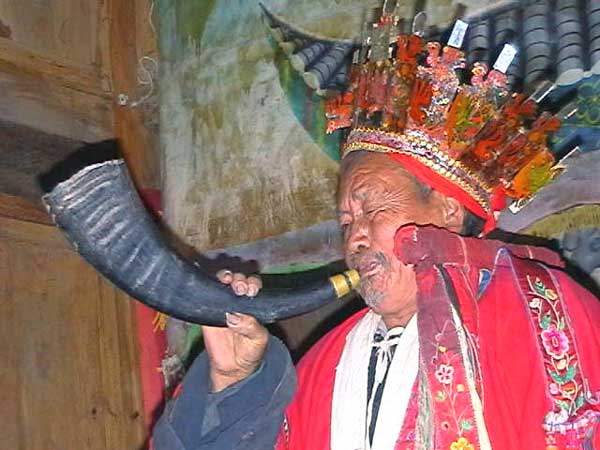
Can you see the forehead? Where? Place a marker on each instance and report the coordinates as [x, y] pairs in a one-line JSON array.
[[371, 172]]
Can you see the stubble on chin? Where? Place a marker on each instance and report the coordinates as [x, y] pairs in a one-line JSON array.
[[374, 289]]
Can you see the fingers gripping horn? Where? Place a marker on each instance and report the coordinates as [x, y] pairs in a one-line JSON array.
[[98, 209]]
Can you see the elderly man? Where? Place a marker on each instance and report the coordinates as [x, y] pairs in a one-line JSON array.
[[481, 350], [234, 396]]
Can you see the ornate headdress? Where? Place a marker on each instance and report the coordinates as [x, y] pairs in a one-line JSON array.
[[473, 141]]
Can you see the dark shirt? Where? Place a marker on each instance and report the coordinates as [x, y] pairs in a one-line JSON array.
[[244, 416]]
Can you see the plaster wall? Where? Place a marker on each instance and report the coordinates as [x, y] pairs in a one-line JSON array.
[[238, 164]]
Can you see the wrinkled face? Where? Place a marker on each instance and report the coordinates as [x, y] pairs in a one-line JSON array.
[[377, 196]]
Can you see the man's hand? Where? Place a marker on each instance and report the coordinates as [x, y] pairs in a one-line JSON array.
[[237, 350]]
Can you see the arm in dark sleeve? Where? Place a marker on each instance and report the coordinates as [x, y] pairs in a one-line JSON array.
[[244, 416]]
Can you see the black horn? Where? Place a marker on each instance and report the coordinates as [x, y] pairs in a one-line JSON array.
[[95, 204]]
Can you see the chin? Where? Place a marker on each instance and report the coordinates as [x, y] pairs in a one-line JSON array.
[[373, 292], [378, 295], [374, 305], [376, 310], [375, 299]]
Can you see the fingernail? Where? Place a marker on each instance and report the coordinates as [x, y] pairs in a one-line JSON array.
[[232, 318], [226, 274]]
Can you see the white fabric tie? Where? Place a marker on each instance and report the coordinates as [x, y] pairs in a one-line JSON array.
[[384, 353], [350, 403], [383, 346]]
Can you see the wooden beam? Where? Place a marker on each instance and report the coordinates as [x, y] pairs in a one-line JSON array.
[[71, 377], [21, 209], [54, 68], [25, 231], [135, 139], [48, 106], [18, 60]]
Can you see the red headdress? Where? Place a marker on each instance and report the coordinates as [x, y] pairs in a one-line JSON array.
[[475, 142]]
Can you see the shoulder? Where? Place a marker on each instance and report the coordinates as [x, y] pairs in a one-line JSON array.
[[513, 279], [309, 413], [526, 296], [526, 272], [328, 349]]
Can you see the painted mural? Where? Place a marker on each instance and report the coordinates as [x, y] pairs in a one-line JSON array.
[[245, 156]]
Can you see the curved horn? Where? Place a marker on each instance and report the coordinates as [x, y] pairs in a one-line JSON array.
[[102, 215]]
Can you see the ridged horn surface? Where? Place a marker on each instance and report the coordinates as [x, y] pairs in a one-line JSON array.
[[102, 215]]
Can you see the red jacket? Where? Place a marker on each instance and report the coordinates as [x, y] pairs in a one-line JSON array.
[[517, 356]]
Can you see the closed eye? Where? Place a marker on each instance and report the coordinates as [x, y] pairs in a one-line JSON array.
[[374, 211]]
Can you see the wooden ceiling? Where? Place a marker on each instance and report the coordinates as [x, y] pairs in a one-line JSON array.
[[55, 67]]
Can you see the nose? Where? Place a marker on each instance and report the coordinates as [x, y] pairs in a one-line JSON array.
[[357, 236]]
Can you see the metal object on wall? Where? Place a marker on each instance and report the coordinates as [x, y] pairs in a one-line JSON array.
[[102, 215]]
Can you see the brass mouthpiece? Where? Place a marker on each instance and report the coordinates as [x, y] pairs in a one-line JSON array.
[[344, 282]]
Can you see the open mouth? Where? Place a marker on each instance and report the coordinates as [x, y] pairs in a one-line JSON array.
[[369, 269]]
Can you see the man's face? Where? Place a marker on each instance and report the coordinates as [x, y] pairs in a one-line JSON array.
[[377, 196]]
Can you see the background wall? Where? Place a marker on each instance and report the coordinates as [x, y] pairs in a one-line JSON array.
[[238, 163]]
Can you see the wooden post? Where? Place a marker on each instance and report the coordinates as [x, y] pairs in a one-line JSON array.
[[135, 139]]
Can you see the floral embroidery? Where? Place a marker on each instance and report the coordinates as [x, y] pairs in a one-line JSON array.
[[535, 303], [451, 391], [557, 418], [566, 387], [466, 425], [447, 376], [461, 444], [571, 419], [555, 342], [553, 388], [444, 374]]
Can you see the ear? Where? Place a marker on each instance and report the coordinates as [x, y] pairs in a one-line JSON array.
[[453, 213]]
